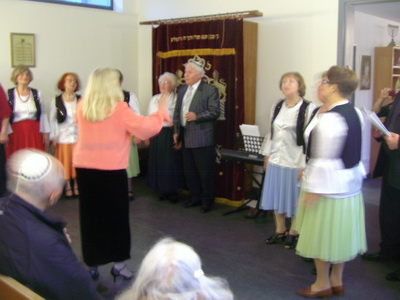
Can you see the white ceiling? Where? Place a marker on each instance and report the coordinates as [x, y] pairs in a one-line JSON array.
[[389, 10]]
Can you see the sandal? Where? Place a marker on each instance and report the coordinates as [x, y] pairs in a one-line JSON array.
[[291, 241], [276, 237]]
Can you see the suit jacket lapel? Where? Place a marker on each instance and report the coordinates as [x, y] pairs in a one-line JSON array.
[[181, 95], [196, 97]]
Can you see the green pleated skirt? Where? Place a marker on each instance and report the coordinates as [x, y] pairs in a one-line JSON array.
[[332, 230]]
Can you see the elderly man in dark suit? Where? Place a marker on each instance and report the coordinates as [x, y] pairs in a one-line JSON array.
[[197, 109], [388, 166], [34, 247]]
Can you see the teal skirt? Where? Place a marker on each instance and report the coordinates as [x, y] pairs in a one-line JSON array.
[[133, 169], [332, 230]]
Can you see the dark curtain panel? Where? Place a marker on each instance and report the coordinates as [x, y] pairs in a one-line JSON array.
[[218, 45]]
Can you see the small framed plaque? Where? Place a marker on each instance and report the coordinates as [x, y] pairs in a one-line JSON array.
[[365, 73], [22, 49]]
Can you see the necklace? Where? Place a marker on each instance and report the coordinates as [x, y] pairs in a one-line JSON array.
[[68, 98], [20, 98], [291, 105]]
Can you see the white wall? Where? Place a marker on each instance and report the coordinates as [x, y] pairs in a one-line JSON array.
[[293, 36], [70, 38], [369, 32]]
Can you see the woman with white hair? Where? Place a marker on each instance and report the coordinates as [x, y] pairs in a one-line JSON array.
[[172, 270], [105, 125], [165, 162]]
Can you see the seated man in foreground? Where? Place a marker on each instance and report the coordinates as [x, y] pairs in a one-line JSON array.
[[34, 248]]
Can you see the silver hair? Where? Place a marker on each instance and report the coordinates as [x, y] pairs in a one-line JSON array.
[[172, 270], [171, 77], [34, 172], [197, 67]]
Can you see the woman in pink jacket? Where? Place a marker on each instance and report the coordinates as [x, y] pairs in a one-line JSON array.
[[105, 125]]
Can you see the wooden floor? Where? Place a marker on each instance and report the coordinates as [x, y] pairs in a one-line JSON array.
[[233, 247]]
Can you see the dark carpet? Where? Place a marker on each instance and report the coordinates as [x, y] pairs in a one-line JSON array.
[[233, 247]]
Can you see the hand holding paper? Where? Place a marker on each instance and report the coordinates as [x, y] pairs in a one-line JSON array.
[[376, 122]]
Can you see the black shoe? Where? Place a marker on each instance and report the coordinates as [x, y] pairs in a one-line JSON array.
[[376, 256], [206, 209], [124, 273], [276, 237], [394, 276], [291, 241], [191, 204]]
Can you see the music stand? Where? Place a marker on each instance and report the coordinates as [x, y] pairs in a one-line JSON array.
[[252, 144], [250, 147]]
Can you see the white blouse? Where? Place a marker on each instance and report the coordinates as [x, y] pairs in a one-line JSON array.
[[325, 173], [134, 103], [67, 131], [283, 149], [153, 106], [25, 109]]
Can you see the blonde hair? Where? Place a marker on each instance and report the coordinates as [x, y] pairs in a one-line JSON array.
[[19, 70], [102, 94]]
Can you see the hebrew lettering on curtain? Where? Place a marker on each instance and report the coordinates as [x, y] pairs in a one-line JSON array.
[[218, 46]]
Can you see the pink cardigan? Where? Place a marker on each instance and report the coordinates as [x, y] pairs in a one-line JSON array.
[[104, 145]]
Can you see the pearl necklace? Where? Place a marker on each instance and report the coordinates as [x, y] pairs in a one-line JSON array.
[[19, 96]]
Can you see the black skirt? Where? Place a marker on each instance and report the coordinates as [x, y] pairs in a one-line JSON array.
[[165, 172], [104, 216]]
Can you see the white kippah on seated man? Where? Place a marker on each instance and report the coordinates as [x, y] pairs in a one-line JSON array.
[[34, 249]]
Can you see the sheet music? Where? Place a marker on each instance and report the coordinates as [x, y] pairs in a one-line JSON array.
[[376, 122], [251, 138], [251, 130]]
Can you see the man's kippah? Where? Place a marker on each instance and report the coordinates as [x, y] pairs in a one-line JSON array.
[[31, 165]]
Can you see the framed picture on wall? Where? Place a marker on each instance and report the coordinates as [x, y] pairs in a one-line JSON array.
[[22, 49], [365, 73]]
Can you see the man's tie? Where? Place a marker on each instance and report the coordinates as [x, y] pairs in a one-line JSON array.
[[186, 103]]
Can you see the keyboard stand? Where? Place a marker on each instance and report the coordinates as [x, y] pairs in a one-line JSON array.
[[250, 158]]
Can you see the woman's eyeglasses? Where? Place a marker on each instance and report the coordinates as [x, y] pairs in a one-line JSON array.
[[324, 81]]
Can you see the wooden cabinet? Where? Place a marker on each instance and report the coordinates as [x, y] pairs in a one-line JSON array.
[[386, 74], [387, 69]]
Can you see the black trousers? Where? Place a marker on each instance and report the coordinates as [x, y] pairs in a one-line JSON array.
[[389, 219], [199, 172], [104, 215]]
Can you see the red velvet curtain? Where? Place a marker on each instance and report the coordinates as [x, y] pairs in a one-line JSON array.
[[218, 45]]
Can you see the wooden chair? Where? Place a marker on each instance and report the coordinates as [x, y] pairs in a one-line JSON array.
[[10, 289]]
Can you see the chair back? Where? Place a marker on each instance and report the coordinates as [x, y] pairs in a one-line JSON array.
[[10, 289]]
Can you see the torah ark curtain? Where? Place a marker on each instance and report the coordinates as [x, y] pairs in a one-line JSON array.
[[218, 46]]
